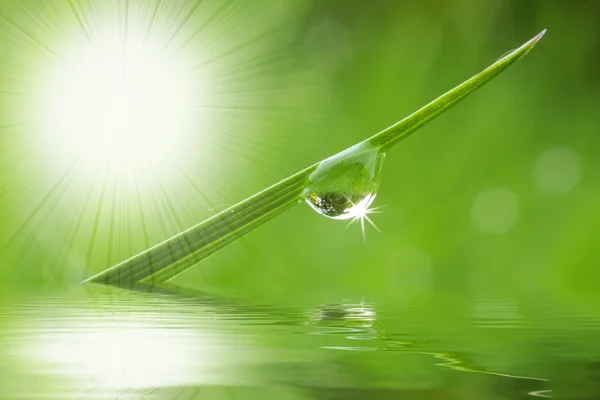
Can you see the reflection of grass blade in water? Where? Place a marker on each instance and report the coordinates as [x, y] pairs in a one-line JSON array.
[[171, 257]]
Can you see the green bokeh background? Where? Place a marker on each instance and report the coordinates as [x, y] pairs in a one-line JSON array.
[[327, 75], [493, 205]]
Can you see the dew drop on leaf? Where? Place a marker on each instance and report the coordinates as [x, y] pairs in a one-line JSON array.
[[345, 185]]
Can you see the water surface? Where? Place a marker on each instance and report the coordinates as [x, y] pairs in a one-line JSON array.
[[96, 342]]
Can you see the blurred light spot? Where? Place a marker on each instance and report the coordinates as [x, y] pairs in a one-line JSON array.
[[557, 170], [495, 210]]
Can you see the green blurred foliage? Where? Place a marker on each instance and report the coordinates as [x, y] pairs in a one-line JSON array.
[[381, 61], [497, 196]]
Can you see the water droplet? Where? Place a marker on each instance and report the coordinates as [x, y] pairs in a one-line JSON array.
[[345, 185]]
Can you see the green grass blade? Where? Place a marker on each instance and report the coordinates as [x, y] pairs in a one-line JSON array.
[[400, 130], [171, 257]]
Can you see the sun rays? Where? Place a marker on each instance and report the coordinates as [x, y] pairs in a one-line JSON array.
[[361, 212], [122, 121]]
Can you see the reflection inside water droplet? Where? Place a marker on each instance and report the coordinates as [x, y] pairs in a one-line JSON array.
[[345, 185], [340, 206]]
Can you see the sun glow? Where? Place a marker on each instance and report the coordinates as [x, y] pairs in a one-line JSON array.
[[125, 122], [116, 101]]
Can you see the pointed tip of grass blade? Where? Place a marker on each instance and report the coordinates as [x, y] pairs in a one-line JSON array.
[[403, 128], [529, 45], [524, 49], [539, 36]]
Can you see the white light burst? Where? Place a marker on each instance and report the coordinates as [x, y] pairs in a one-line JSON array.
[[361, 211], [127, 121], [116, 101]]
